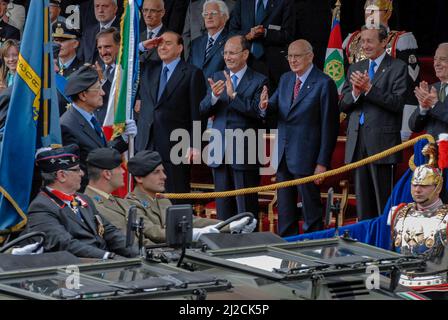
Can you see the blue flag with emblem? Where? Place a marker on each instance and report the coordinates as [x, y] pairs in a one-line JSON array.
[[33, 117]]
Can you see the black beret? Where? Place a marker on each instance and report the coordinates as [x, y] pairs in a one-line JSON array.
[[144, 162], [81, 80], [104, 158], [58, 158], [60, 30]]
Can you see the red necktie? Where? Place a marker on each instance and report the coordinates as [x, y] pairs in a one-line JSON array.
[[297, 88]]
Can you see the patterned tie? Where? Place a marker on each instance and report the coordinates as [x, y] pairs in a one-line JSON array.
[[234, 81], [162, 82], [297, 88], [149, 35], [209, 47], [98, 130], [257, 47], [442, 93]]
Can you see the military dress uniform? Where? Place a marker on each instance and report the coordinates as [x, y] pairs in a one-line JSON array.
[[70, 221], [422, 231]]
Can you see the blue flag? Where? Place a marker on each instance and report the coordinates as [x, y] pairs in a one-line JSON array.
[[33, 117]]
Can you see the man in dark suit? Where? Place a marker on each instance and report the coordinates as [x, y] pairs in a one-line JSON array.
[[206, 51], [174, 18], [432, 115], [269, 25], [306, 104], [70, 220], [194, 26], [7, 31], [170, 93], [232, 101], [106, 15], [79, 125], [153, 12], [373, 97], [108, 46]]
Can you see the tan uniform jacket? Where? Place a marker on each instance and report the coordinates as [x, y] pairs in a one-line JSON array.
[[114, 209], [153, 212]]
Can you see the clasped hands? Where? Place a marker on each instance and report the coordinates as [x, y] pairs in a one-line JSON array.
[[360, 83], [426, 97], [219, 86]]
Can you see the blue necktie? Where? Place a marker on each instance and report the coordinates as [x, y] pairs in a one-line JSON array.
[[372, 70], [98, 130], [257, 47], [371, 75], [162, 82], [234, 81]]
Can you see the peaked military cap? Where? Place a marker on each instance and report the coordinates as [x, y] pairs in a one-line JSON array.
[[104, 158], [144, 162], [55, 159], [60, 30], [56, 2], [81, 80]]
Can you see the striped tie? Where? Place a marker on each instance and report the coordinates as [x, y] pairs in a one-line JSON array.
[[209, 46]]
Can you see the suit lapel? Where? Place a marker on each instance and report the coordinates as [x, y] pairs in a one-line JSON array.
[[219, 43], [245, 82], [171, 85], [269, 8], [203, 45], [86, 128], [306, 87], [381, 69], [88, 219], [154, 78], [251, 11]]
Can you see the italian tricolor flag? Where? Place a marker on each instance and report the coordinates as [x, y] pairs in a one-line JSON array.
[[125, 83], [334, 59]]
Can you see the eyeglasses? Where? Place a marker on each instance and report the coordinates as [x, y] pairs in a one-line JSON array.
[[230, 53], [212, 14], [152, 11], [296, 56]]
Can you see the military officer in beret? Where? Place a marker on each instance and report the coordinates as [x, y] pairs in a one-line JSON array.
[[149, 177], [69, 219], [79, 124], [105, 176]]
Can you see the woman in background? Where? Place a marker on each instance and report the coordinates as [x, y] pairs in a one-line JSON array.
[[9, 55]]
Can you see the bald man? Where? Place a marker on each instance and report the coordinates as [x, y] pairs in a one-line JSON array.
[[306, 106]]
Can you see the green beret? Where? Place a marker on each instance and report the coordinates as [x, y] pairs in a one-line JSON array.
[[104, 158], [81, 80], [144, 162]]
